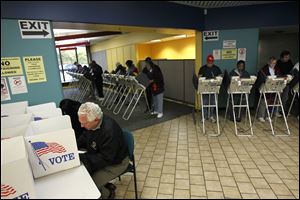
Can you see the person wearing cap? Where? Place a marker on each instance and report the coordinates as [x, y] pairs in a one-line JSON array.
[[120, 70], [209, 71], [106, 154], [157, 87]]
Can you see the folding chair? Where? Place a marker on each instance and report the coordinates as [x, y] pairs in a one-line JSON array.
[[128, 138]]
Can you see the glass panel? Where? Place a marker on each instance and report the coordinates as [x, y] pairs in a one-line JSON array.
[[68, 58], [82, 57]]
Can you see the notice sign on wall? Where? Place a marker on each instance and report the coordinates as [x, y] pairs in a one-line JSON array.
[[11, 66], [4, 90], [34, 29], [17, 85], [35, 70], [229, 53]]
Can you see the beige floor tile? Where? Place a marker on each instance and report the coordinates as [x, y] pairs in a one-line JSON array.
[[272, 178], [183, 159], [215, 195], [285, 197], [233, 161], [213, 186], [166, 188], [198, 190], [158, 158], [171, 161], [221, 164], [149, 193], [131, 195], [194, 156], [284, 174], [170, 155], [139, 185], [182, 184], [295, 193], [241, 177], [142, 168], [211, 176], [154, 173], [182, 166], [209, 167], [280, 189], [227, 181], [266, 194], [277, 165], [141, 176], [236, 168], [266, 169], [224, 172], [197, 180], [291, 184], [260, 183], [196, 171], [231, 192], [168, 170], [181, 194], [254, 173], [182, 174], [246, 188], [151, 182], [164, 196], [167, 178], [207, 160], [250, 196], [156, 165], [195, 163]]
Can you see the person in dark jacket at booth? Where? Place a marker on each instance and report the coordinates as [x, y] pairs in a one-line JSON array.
[[97, 78], [209, 71], [71, 107], [157, 87], [241, 72], [106, 154]]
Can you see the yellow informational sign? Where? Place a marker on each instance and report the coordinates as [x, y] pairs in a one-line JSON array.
[[35, 70], [229, 53], [11, 66]]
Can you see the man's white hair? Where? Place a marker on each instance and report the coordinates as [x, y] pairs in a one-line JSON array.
[[91, 110]]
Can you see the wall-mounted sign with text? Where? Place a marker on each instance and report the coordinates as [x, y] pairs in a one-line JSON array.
[[34, 29]]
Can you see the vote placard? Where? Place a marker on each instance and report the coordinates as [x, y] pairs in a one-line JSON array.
[[52, 152], [16, 176]]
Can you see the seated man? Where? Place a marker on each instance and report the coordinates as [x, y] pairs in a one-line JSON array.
[[107, 154]]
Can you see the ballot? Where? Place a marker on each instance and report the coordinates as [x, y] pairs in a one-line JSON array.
[[16, 176], [52, 152]]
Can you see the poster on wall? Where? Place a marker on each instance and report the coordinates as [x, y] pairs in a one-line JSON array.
[[229, 53], [217, 54], [242, 54], [35, 70], [17, 85], [11, 66], [229, 44], [4, 90]]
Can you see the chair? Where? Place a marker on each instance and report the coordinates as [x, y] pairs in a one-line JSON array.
[[128, 138]]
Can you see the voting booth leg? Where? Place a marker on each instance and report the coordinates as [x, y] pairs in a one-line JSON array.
[[217, 114], [107, 94], [249, 114], [292, 102], [257, 107], [115, 90], [115, 97], [227, 106], [119, 105], [137, 95], [203, 119]]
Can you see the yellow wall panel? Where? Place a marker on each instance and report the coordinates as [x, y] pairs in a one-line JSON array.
[[120, 55], [109, 60]]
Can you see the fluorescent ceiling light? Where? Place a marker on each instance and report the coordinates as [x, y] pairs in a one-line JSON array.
[[180, 36], [155, 40]]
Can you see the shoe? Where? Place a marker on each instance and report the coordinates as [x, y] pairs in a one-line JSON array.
[[212, 119], [261, 119], [154, 113], [110, 186], [278, 114], [160, 115]]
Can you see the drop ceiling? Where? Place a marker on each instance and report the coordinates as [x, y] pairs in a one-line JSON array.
[[220, 4]]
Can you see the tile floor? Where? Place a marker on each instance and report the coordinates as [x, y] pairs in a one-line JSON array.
[[175, 159]]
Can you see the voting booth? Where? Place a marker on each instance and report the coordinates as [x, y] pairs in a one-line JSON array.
[[16, 175], [83, 84], [14, 131], [240, 87], [13, 108], [45, 114], [16, 120], [41, 107], [274, 85], [122, 89], [52, 152], [210, 87]]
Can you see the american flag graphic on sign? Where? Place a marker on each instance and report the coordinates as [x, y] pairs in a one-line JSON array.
[[7, 190], [42, 148]]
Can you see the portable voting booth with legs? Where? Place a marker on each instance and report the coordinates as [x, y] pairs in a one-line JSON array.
[[240, 87], [273, 86], [210, 87]]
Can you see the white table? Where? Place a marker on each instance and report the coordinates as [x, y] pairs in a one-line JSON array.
[[73, 183]]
